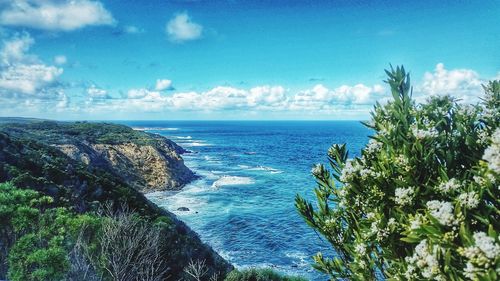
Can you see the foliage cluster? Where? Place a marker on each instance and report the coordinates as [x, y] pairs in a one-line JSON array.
[[254, 274], [35, 167], [421, 202], [43, 242], [54, 132], [36, 237]]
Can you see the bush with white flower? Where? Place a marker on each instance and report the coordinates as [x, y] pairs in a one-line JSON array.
[[422, 200]]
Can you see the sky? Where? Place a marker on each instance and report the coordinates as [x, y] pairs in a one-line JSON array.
[[236, 59]]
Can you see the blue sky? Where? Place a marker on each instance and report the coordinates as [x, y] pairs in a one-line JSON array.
[[188, 59]]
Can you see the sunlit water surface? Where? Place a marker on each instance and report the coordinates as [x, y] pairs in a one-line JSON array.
[[243, 205]]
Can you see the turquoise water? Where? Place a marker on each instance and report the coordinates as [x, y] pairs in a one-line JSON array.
[[243, 206]]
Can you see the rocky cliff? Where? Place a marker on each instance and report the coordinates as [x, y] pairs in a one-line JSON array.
[[84, 166], [145, 161]]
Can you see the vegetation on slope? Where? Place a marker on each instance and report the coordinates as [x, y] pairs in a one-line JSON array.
[[145, 161], [55, 132], [422, 201], [70, 191]]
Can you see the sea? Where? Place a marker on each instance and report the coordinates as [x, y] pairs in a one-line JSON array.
[[250, 172]]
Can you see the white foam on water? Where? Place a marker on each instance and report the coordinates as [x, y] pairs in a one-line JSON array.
[[212, 159], [195, 143], [188, 197], [302, 259], [232, 180], [261, 168], [212, 175], [181, 137]]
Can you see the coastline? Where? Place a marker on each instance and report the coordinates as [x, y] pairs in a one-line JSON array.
[[86, 178]]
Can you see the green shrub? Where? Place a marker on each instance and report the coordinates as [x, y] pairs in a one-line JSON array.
[[422, 200], [264, 274], [36, 237]]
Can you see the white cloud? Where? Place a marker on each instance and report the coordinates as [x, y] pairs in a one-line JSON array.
[[342, 102], [15, 49], [60, 60], [131, 29], [28, 79], [63, 102], [95, 92], [163, 84], [267, 97], [181, 28], [260, 98], [24, 73], [320, 97], [56, 15], [137, 93], [460, 83]]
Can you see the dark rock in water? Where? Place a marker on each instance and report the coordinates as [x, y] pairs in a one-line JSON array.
[[183, 209]]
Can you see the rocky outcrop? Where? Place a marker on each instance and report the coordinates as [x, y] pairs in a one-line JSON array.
[[147, 162], [146, 167], [29, 162]]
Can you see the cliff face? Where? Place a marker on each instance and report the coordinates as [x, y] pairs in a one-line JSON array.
[[64, 162], [146, 162], [145, 167]]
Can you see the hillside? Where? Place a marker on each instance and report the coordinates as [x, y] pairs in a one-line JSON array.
[[145, 161], [31, 157]]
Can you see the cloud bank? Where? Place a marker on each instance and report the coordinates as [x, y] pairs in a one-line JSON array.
[[55, 15], [23, 73]]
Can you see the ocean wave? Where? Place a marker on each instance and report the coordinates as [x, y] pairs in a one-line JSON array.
[[187, 197], [211, 159], [181, 137], [300, 258], [232, 180], [195, 143], [261, 168]]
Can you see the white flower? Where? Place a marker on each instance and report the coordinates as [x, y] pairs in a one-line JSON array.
[[416, 222], [402, 161], [425, 261], [467, 110], [366, 173], [469, 199], [350, 169], [317, 170], [373, 146], [360, 249], [483, 137], [470, 271], [342, 192], [423, 133], [482, 255], [450, 185], [492, 153], [479, 180], [379, 232], [404, 196], [442, 211], [370, 215], [487, 245]]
